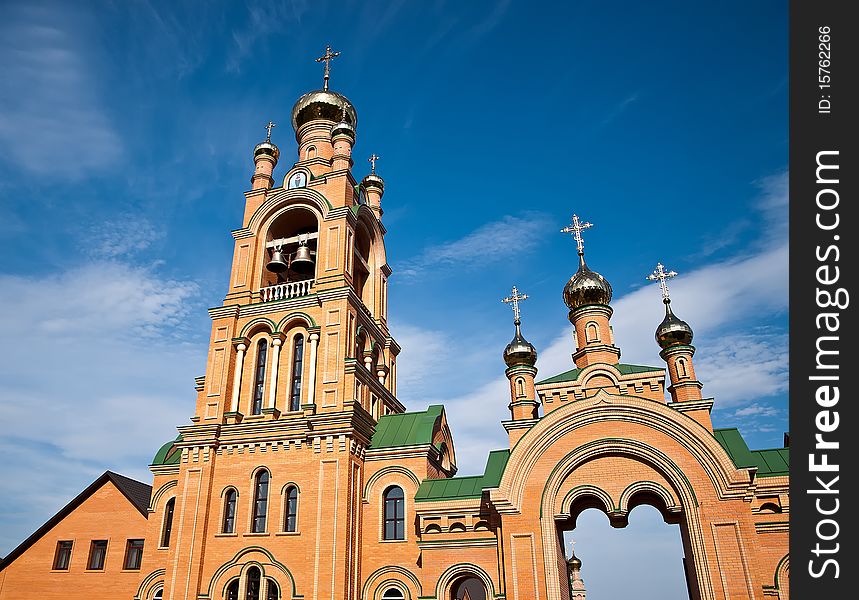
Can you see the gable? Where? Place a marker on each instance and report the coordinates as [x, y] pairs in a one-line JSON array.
[[112, 501]]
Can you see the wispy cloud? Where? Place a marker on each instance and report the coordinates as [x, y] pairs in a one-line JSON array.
[[619, 108], [104, 344], [488, 244], [52, 121], [264, 19], [123, 236], [739, 361]]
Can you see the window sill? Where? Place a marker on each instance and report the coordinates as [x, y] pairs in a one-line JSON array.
[[93, 570], [288, 533], [393, 541], [226, 535], [262, 534], [59, 570], [137, 570]]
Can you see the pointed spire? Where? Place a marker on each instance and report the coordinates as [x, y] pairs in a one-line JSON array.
[[519, 351]]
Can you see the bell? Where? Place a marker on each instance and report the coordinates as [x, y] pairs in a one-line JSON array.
[[277, 264], [302, 262]]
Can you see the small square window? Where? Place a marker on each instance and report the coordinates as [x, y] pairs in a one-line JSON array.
[[133, 555], [97, 553], [63, 555]]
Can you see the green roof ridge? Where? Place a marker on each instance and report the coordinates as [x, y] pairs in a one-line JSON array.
[[770, 462], [622, 368], [469, 486], [406, 429], [163, 456]]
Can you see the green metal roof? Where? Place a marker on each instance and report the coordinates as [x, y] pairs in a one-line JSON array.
[[623, 369], [406, 429], [164, 456], [770, 463], [458, 488]]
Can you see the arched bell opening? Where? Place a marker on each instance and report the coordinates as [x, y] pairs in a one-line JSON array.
[[291, 248], [364, 268], [468, 588], [619, 550]]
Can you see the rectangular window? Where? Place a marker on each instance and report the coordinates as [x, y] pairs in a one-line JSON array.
[[133, 554], [97, 553], [63, 555]]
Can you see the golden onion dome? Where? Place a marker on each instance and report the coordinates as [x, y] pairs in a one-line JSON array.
[[574, 562], [586, 287], [323, 104], [520, 352], [268, 148], [673, 331]]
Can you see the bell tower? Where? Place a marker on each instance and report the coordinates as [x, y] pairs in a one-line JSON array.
[[301, 364]]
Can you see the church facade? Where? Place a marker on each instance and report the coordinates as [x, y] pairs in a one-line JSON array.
[[303, 476]]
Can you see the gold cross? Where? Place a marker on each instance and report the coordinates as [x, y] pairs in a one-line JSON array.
[[662, 276], [515, 298], [576, 229], [327, 58], [268, 128], [372, 160]]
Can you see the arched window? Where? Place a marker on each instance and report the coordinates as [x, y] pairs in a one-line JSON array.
[[159, 594], [233, 590], [272, 592], [167, 529], [520, 387], [259, 380], [229, 525], [254, 577], [393, 593], [591, 332], [310, 152], [290, 520], [260, 506], [297, 364], [395, 513], [681, 368]]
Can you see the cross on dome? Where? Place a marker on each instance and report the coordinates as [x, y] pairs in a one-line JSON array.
[[372, 160], [515, 298], [662, 276], [576, 229], [268, 129], [327, 58]]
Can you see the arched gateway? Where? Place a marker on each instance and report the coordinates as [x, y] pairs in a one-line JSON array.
[[302, 475]]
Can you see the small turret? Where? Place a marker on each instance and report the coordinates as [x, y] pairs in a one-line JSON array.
[[674, 336], [374, 187], [265, 160], [520, 356], [587, 295]]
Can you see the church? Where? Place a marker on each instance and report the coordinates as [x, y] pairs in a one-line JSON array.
[[302, 475]]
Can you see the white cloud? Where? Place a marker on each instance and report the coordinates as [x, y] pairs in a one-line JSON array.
[[488, 244], [51, 119], [738, 361], [121, 237], [264, 20], [91, 365]]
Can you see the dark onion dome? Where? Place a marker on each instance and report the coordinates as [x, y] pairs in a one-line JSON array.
[[673, 331], [322, 104], [373, 180], [343, 128], [267, 148], [586, 287], [520, 352], [574, 562]]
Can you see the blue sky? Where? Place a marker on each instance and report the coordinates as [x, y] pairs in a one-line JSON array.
[[126, 131]]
